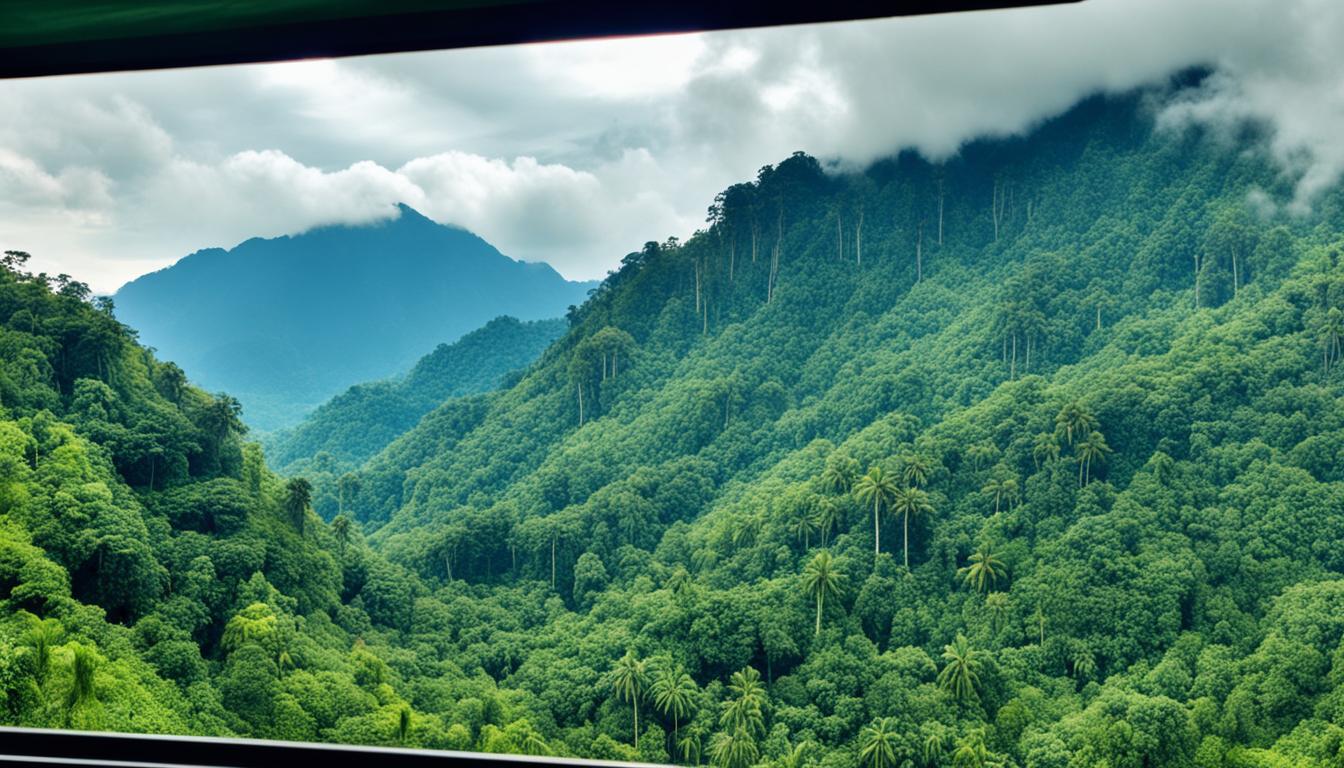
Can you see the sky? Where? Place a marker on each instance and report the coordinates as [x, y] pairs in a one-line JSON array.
[[578, 153]]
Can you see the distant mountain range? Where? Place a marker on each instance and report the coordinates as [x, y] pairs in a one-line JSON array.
[[285, 323], [348, 429]]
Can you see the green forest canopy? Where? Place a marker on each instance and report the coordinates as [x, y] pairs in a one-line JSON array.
[[1087, 391]]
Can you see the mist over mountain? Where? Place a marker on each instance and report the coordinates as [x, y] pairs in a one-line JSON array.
[[283, 324]]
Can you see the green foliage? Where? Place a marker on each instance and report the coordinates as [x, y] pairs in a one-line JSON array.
[[1119, 504]]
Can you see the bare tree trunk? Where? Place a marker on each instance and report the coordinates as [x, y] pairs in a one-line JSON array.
[[839, 237], [858, 240], [697, 286], [580, 404], [552, 561], [1235, 276], [1012, 367], [1196, 280], [919, 253], [940, 211]]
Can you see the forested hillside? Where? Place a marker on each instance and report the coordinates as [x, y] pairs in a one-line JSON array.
[[286, 323], [1029, 458], [346, 430]]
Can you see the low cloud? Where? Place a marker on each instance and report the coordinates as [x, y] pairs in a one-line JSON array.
[[577, 153]]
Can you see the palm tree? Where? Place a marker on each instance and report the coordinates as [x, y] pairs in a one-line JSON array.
[[1044, 448], [961, 675], [980, 453], [403, 724], [1084, 664], [673, 692], [1094, 448], [878, 742], [996, 604], [795, 756], [1000, 487], [915, 470], [1332, 332], [972, 752], [803, 526], [83, 668], [1073, 420], [838, 476], [42, 636], [825, 515], [628, 681], [298, 494], [340, 528], [745, 711], [933, 747], [733, 749], [689, 745], [910, 501], [877, 489], [984, 569], [821, 580]]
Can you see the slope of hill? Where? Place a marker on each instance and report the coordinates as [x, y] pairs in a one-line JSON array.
[[346, 430], [286, 323], [1026, 459]]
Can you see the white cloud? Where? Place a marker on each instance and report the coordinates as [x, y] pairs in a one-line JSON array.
[[577, 153]]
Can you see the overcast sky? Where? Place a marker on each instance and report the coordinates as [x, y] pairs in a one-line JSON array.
[[577, 153]]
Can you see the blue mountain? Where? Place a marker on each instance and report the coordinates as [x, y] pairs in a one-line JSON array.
[[285, 323]]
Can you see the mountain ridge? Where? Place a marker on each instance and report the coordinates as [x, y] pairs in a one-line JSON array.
[[284, 323]]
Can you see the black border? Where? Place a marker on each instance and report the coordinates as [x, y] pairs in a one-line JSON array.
[[530, 22]]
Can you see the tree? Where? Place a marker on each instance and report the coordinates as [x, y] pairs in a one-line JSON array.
[[877, 490], [1074, 420], [1044, 448], [689, 745], [915, 470], [996, 605], [744, 711], [628, 680], [910, 502], [825, 516], [83, 669], [733, 749], [346, 487], [821, 580], [1332, 331], [41, 638], [984, 569], [1092, 449], [298, 495], [340, 528], [838, 475], [933, 747], [1001, 487], [878, 743], [972, 752], [803, 525], [673, 693], [960, 676]]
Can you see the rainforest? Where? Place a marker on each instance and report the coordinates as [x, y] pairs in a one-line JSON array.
[[1033, 457]]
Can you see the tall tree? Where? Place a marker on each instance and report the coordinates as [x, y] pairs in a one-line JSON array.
[[877, 490], [1073, 421], [673, 693], [1092, 449], [821, 580], [298, 495], [960, 675], [907, 503], [984, 569], [629, 679]]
